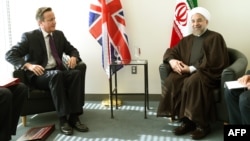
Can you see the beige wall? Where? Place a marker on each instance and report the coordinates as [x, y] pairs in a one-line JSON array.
[[149, 25]]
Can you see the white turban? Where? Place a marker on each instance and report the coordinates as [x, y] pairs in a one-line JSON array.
[[201, 11]]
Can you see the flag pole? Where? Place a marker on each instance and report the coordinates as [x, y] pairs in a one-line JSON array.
[[107, 102]]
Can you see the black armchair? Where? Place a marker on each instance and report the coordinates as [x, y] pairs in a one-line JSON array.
[[237, 68], [40, 101]]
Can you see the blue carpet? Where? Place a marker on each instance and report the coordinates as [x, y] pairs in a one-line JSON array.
[[128, 125]]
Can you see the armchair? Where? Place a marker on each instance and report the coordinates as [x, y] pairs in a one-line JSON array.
[[237, 68], [40, 101]]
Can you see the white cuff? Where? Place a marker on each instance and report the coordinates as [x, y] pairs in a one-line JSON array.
[[192, 69]]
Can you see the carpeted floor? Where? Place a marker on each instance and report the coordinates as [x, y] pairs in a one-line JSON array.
[[128, 125]]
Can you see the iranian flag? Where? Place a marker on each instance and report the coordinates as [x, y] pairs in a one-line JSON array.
[[181, 26]]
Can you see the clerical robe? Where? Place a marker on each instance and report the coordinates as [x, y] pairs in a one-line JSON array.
[[191, 95]]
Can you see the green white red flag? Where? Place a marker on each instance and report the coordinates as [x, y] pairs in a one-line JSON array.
[[181, 26]]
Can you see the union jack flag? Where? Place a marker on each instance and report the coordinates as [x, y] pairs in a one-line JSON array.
[[107, 26]]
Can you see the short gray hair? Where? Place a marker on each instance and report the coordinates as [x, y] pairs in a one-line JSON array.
[[40, 11]]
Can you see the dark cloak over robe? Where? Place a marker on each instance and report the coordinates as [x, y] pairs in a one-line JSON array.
[[190, 95]]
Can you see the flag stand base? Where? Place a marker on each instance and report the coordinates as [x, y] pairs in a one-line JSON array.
[[106, 102]]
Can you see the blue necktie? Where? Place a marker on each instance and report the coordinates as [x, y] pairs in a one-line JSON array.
[[54, 52]]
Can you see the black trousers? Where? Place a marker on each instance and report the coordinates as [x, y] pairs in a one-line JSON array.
[[238, 105], [66, 87], [11, 102]]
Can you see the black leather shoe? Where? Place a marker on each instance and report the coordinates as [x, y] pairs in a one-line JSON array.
[[74, 122], [200, 132], [66, 129], [79, 126], [184, 128]]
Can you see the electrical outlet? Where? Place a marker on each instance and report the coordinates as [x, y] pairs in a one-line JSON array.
[[134, 69]]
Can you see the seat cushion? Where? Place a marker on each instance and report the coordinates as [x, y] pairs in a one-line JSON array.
[[39, 94]]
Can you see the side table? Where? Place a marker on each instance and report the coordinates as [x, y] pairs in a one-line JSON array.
[[114, 91]]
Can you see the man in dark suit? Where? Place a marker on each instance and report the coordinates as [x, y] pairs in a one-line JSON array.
[[39, 53], [11, 102], [238, 102]]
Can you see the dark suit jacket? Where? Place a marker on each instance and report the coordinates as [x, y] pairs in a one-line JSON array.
[[32, 49]]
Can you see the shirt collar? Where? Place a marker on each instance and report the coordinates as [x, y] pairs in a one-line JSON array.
[[45, 34]]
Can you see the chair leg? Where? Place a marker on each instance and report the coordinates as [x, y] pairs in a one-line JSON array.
[[24, 119]]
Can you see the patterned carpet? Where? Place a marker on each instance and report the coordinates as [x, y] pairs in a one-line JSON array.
[[128, 125]]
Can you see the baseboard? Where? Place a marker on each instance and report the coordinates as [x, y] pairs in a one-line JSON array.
[[130, 97]]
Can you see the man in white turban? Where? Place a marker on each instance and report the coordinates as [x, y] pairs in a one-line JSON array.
[[203, 12], [194, 65]]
